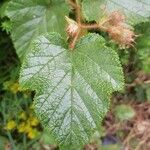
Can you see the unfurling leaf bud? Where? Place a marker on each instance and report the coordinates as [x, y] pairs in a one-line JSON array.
[[116, 18], [122, 36], [72, 27], [119, 31]]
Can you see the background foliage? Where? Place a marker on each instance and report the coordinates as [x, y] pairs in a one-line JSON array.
[[18, 123]]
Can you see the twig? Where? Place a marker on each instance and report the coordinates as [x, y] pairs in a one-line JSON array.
[[78, 13], [129, 137], [142, 142], [71, 3], [78, 19], [77, 8], [72, 44], [134, 84], [93, 26]]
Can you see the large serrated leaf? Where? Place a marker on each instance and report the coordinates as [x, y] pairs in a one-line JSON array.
[[32, 18], [136, 11], [72, 87]]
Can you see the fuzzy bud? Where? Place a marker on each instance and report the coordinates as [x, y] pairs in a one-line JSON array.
[[122, 36], [116, 18], [72, 27]]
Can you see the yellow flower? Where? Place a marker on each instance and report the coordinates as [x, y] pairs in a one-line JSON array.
[[15, 88], [33, 133], [23, 116], [25, 127], [33, 121], [21, 127], [28, 128], [12, 86], [10, 125]]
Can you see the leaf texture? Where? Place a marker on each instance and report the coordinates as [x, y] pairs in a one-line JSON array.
[[73, 87], [92, 9], [136, 11], [143, 46], [32, 18]]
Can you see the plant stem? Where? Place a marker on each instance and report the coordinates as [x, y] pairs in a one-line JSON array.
[[72, 44], [76, 6], [11, 140], [78, 20], [72, 4], [78, 13], [93, 26], [24, 141], [90, 26]]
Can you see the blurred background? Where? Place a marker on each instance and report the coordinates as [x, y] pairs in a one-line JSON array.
[[126, 126]]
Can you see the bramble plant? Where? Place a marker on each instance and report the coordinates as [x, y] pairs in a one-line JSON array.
[[67, 62]]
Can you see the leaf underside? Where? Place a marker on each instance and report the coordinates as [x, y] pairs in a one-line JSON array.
[[136, 11], [73, 87], [32, 18]]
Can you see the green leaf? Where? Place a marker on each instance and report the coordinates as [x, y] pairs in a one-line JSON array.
[[148, 93], [3, 6], [46, 138], [92, 9], [136, 11], [124, 112], [72, 87], [3, 142], [143, 44], [32, 18]]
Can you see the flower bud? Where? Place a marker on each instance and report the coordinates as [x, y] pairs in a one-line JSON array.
[[72, 27], [122, 36], [116, 18]]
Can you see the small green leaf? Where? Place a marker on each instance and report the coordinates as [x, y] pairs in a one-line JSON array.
[[136, 11], [46, 138], [124, 112], [72, 87], [92, 9], [32, 18], [3, 6]]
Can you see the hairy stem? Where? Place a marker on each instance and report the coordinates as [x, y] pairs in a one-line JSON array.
[[81, 26], [72, 44], [78, 13], [77, 8], [73, 4]]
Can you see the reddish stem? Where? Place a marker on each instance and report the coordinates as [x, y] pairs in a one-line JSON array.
[[93, 26]]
